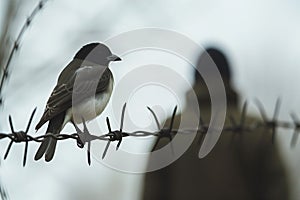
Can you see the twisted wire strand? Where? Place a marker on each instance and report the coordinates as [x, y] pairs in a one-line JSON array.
[[84, 136]]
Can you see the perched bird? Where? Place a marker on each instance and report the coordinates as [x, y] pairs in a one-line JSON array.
[[83, 89]]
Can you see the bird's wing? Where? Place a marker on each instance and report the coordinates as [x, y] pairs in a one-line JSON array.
[[84, 83]]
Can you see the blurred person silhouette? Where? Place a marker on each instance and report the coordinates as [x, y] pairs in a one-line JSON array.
[[244, 167]]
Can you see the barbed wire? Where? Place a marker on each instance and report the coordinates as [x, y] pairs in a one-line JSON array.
[[16, 44], [3, 192], [84, 136]]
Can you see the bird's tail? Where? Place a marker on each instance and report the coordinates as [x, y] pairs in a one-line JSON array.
[[48, 146]]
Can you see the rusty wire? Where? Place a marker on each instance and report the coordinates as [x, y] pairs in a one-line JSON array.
[[84, 136]]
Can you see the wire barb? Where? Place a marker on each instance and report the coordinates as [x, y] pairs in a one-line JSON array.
[[273, 123], [164, 133], [82, 137], [239, 128], [155, 117], [296, 129], [18, 137], [115, 135]]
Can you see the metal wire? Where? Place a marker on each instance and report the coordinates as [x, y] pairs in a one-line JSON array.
[[84, 136], [4, 75], [16, 46], [3, 192]]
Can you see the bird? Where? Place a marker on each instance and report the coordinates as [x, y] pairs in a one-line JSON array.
[[83, 89]]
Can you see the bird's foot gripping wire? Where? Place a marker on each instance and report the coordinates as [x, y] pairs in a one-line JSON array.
[[84, 137]]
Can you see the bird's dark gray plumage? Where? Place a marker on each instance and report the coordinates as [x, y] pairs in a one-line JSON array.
[[74, 88]]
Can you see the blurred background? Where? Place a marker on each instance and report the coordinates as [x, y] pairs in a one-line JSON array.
[[261, 39]]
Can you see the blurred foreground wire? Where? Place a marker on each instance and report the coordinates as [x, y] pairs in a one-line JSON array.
[[5, 68], [6, 55]]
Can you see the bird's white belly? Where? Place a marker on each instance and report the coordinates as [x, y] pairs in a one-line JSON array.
[[90, 108]]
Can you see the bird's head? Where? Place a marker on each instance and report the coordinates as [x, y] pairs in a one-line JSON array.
[[97, 53]]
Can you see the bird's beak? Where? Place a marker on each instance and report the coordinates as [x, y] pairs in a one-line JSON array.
[[113, 58]]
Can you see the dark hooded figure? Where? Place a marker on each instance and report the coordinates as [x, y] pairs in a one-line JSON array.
[[243, 166]]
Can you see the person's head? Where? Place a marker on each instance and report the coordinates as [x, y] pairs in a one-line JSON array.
[[212, 57]]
